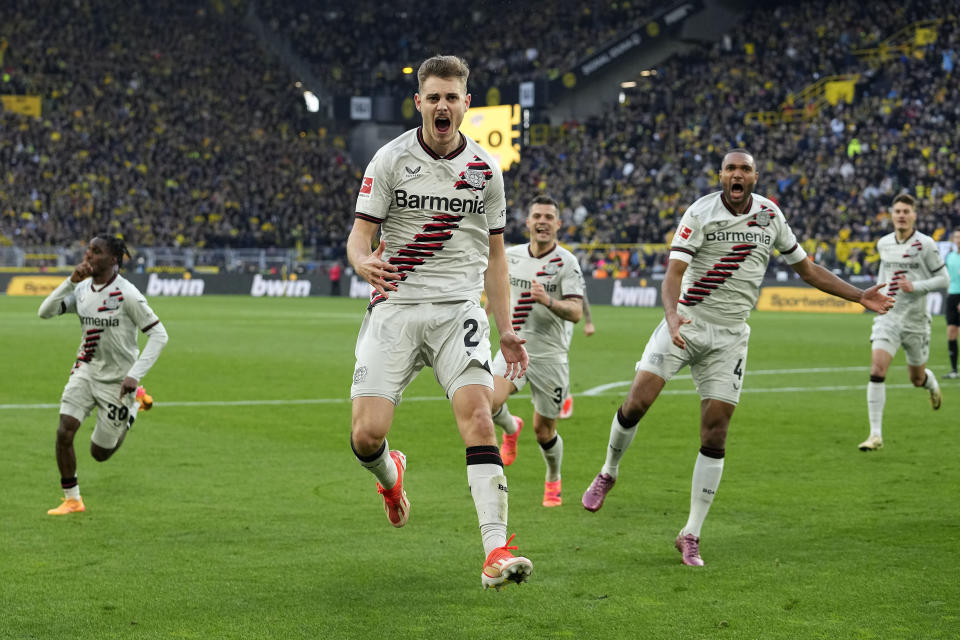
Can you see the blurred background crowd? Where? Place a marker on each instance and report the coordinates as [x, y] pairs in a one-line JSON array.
[[167, 121]]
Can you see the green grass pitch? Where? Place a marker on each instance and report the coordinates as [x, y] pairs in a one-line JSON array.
[[235, 509]]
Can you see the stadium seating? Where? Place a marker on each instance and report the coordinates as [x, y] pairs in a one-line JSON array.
[[192, 135]]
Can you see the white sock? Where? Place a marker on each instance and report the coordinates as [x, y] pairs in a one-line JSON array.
[[504, 420], [931, 383], [706, 479], [876, 398], [383, 467], [553, 457], [72, 493], [620, 439], [488, 486]]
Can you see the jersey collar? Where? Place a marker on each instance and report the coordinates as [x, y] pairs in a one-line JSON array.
[[430, 152], [545, 253], [93, 285], [905, 240], [730, 209]]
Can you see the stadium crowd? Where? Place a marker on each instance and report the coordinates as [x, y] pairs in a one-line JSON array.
[[182, 136], [626, 176], [358, 49], [192, 135]]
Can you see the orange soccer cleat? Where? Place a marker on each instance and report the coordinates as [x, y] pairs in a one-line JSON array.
[[508, 450], [551, 494], [502, 567], [395, 501], [69, 505], [144, 398]]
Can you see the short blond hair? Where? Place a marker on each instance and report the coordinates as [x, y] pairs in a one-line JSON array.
[[443, 67]]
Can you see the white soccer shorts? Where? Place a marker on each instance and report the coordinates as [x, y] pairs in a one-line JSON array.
[[397, 340], [114, 417], [889, 334], [549, 383], [716, 354]]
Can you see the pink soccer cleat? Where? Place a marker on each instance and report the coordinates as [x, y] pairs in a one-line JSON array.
[[689, 548], [597, 491]]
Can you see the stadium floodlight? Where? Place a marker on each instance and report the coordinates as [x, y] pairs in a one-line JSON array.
[[629, 84], [313, 102]]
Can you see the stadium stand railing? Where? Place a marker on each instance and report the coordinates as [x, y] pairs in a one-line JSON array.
[[906, 41], [808, 102]]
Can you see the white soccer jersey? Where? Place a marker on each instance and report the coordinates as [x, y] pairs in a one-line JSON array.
[[727, 255], [110, 316], [917, 259], [436, 216], [546, 333]]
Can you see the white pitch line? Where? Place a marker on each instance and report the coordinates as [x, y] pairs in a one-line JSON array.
[[602, 390]]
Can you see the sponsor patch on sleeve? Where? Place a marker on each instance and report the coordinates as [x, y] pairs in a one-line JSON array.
[[366, 188], [684, 232]]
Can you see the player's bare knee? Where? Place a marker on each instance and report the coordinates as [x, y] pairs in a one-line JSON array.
[[713, 429], [545, 429], [364, 442], [714, 435], [64, 436], [66, 432], [481, 420], [634, 408], [100, 454]]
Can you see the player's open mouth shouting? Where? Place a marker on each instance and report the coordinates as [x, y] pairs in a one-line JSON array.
[[442, 123]]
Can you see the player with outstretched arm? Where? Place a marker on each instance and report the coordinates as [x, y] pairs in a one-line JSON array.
[[717, 262], [109, 364]]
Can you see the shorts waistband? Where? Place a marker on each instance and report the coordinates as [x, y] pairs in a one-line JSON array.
[[699, 314]]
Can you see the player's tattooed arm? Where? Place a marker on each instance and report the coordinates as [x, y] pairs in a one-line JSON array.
[[370, 266], [570, 309]]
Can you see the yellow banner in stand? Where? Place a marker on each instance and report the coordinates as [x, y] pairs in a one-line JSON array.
[[24, 105], [33, 285], [803, 299]]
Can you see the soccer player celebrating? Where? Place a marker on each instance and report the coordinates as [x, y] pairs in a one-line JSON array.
[[717, 261], [546, 293], [438, 201], [911, 263], [109, 364], [953, 303]]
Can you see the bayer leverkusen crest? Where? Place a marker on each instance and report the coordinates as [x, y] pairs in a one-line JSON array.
[[475, 176], [762, 218]]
